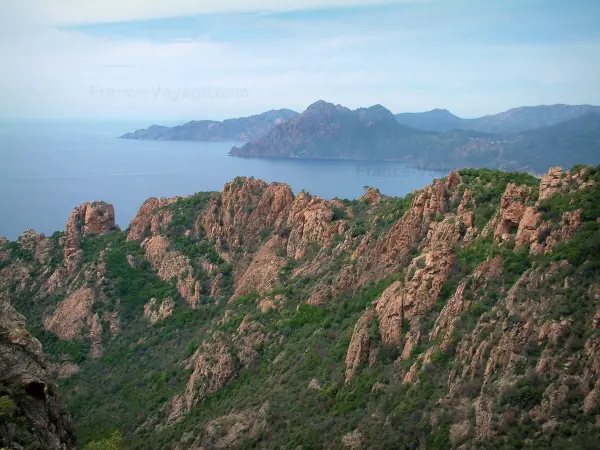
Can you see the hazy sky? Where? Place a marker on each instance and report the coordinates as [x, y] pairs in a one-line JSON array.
[[192, 59]]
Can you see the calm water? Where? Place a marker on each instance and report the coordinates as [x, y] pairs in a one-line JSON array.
[[46, 169]]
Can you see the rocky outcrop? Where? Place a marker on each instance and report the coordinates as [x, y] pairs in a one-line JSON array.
[[152, 217], [571, 221], [451, 312], [88, 218], [277, 302], [371, 196], [359, 344], [353, 440], [31, 415], [249, 212], [155, 310], [229, 431], [311, 224], [216, 363], [262, 274], [406, 302], [65, 369], [320, 295], [390, 311], [37, 244], [246, 207], [551, 183], [315, 385], [393, 249], [169, 264], [527, 231], [213, 367], [512, 209], [71, 315]]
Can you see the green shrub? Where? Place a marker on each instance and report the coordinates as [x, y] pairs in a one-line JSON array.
[[114, 442], [7, 406], [525, 394]]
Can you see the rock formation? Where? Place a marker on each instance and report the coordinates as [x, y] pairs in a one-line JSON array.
[[465, 315], [88, 218], [30, 406]]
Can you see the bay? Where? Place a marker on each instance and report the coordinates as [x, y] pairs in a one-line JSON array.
[[48, 168]]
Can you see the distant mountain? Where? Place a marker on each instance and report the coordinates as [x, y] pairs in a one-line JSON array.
[[326, 130], [332, 131], [241, 129], [575, 141], [526, 118], [440, 120], [513, 121]]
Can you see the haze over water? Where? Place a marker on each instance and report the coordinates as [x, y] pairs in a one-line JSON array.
[[46, 169]]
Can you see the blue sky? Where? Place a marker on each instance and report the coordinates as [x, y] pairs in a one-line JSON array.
[[191, 59]]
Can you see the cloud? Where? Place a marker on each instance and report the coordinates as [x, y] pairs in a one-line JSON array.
[[408, 57], [77, 12]]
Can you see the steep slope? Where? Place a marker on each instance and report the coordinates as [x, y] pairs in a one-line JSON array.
[[30, 407], [466, 315], [242, 129], [515, 120]]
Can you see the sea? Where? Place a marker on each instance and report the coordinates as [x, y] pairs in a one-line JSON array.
[[49, 167]]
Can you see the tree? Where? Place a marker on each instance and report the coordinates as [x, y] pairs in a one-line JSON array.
[[114, 442]]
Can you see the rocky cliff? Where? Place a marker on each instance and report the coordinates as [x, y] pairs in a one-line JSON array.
[[465, 315], [30, 406]]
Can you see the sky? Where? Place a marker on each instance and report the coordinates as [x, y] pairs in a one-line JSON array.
[[198, 59]]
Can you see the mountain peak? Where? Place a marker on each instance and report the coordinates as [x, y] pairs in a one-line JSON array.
[[322, 106], [375, 112], [441, 112]]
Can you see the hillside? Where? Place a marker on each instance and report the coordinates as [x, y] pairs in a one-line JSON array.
[[465, 315], [325, 130], [241, 129], [439, 120], [328, 131], [515, 120]]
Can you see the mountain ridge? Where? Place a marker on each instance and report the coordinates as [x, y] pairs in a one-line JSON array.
[[338, 133], [238, 129], [513, 121], [466, 314]]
